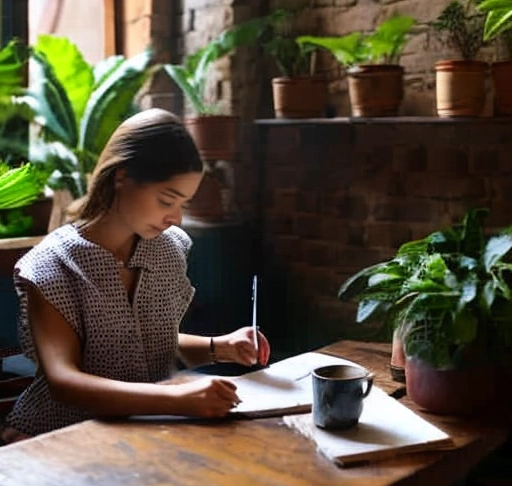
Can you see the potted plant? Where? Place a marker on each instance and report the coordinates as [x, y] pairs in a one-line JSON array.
[[448, 297], [498, 26], [72, 106], [375, 79], [460, 83], [298, 92], [72, 103], [215, 134], [19, 188]]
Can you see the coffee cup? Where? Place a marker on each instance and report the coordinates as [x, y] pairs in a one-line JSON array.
[[338, 393]]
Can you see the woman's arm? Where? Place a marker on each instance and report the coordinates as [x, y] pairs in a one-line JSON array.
[[59, 355]]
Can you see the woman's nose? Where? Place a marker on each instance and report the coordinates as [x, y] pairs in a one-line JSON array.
[[174, 217]]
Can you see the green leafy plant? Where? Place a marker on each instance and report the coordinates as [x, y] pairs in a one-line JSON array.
[[384, 46], [498, 22], [292, 58], [498, 18], [461, 26], [191, 76], [443, 294], [19, 187], [73, 105]]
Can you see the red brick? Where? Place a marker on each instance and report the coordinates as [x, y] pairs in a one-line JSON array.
[[333, 229], [320, 253], [289, 248], [443, 187], [387, 234], [285, 200], [402, 210], [449, 160], [307, 225]]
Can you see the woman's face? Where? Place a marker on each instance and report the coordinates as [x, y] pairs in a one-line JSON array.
[[148, 209]]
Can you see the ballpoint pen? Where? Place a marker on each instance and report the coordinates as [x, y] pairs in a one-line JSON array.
[[254, 310]]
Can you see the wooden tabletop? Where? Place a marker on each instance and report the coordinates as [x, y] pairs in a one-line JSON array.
[[235, 452]]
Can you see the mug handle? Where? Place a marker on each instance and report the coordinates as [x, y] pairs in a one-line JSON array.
[[369, 384]]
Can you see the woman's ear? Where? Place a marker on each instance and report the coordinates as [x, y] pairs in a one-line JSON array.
[[120, 177]]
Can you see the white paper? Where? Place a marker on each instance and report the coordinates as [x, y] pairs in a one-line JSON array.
[[284, 385], [386, 427]]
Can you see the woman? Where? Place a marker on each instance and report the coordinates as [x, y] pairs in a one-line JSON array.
[[101, 297]]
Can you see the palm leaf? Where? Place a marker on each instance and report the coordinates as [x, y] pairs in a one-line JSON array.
[[185, 81], [52, 102], [71, 70], [111, 102]]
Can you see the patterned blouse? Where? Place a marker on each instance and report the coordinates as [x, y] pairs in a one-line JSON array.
[[135, 342]]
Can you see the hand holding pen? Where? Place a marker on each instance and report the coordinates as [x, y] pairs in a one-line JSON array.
[[248, 345]]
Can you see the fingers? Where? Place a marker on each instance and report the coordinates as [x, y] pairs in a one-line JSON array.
[[226, 391]]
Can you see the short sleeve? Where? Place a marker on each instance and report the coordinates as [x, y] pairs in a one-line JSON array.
[[42, 268]]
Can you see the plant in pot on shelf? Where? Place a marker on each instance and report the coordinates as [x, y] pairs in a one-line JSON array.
[[375, 78], [298, 92], [498, 26], [448, 297], [460, 83], [215, 134]]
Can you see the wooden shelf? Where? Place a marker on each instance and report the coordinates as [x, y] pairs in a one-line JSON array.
[[18, 243]]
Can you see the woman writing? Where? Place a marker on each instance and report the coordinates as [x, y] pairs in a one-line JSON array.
[[102, 297]]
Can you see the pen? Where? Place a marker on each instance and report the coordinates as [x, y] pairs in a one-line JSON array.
[[254, 306]]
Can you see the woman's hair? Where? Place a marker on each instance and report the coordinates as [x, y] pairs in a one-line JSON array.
[[151, 146]]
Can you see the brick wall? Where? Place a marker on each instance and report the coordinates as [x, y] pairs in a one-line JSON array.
[[241, 83], [337, 196]]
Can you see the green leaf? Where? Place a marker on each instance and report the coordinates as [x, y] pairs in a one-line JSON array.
[[52, 102], [348, 49], [387, 42], [366, 309], [72, 71], [13, 57], [497, 247], [111, 102], [464, 327], [104, 68], [186, 83]]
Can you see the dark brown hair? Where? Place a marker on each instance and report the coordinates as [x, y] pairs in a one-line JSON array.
[[152, 146]]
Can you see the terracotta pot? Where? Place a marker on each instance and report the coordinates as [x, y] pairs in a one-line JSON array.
[[375, 89], [460, 88], [299, 97], [501, 73], [207, 202], [472, 390], [215, 136]]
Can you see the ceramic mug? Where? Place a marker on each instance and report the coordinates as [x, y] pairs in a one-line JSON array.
[[338, 393]]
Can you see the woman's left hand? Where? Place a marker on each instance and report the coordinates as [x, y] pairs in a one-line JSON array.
[[238, 347]]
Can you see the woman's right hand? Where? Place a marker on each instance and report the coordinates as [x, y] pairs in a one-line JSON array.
[[205, 397]]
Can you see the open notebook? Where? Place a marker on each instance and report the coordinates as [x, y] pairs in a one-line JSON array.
[[386, 427], [283, 387]]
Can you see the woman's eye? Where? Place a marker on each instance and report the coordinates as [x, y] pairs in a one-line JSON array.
[[166, 204]]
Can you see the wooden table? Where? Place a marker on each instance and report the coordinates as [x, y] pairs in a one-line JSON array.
[[234, 452]]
